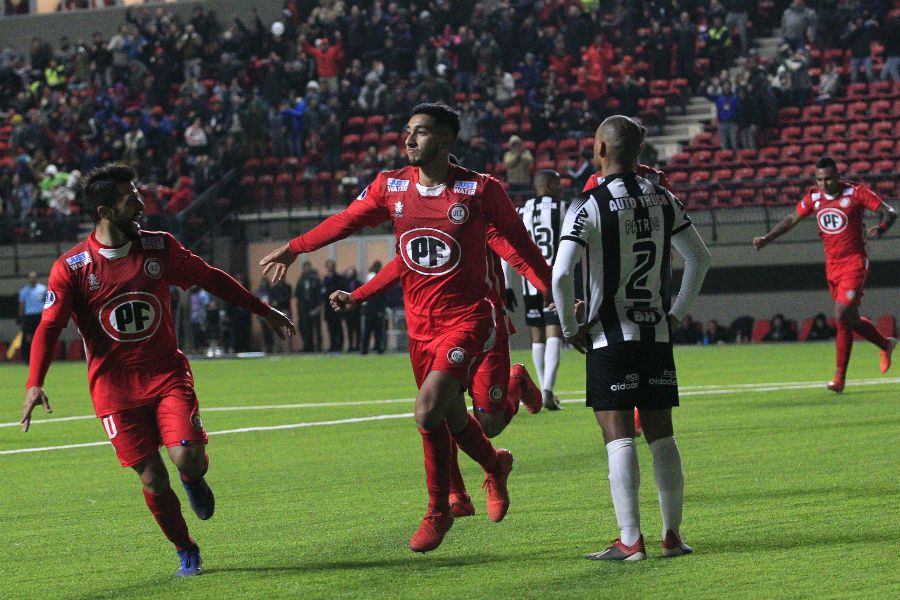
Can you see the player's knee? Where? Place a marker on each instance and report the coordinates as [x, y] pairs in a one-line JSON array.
[[155, 480], [427, 417], [491, 423]]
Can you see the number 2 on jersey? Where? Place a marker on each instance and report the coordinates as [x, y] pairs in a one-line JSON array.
[[645, 259]]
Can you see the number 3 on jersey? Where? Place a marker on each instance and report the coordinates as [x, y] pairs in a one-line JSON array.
[[645, 258]]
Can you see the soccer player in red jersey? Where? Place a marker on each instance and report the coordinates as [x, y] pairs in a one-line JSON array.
[[838, 206], [496, 388], [440, 214], [115, 286]]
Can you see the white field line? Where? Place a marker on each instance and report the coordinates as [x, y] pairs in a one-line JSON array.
[[687, 391]]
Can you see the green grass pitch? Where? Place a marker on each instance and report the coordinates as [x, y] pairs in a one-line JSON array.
[[790, 490]]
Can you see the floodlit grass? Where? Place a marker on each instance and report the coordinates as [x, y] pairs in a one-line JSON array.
[[789, 492]]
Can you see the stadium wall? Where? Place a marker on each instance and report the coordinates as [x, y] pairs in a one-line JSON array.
[[81, 24]]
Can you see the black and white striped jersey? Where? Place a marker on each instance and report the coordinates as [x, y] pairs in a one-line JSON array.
[[625, 226], [543, 218]]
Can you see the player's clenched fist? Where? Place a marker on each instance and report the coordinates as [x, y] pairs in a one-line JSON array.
[[33, 396], [278, 262], [342, 301]]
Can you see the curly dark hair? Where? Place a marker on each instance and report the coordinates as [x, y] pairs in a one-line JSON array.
[[100, 187]]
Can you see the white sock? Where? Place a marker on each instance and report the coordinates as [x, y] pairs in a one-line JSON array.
[[624, 483], [551, 363], [537, 355], [669, 482]]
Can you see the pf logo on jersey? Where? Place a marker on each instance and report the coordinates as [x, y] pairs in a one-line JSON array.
[[429, 251], [457, 355], [131, 317], [832, 221]]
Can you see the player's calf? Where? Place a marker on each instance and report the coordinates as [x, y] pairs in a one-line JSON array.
[[492, 423]]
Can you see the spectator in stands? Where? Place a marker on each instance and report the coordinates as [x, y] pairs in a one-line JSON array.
[[737, 17], [749, 119], [714, 333], [798, 24], [890, 39], [199, 300], [780, 330], [820, 329], [858, 38], [195, 138], [660, 51], [721, 93], [352, 318], [308, 293], [688, 332], [332, 282], [741, 329], [373, 317], [718, 44], [830, 86], [371, 96], [518, 162], [31, 306], [579, 170], [685, 36]]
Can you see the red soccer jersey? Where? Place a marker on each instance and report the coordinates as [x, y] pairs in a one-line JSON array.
[[119, 300], [440, 236], [840, 218], [654, 175]]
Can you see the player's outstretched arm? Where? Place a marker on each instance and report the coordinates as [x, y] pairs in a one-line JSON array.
[[276, 263], [34, 396], [342, 301], [780, 229], [280, 323], [697, 259], [887, 217]]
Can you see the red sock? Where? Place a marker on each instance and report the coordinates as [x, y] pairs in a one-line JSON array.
[[436, 444], [457, 485], [166, 510], [187, 479], [867, 329], [844, 344], [473, 442]]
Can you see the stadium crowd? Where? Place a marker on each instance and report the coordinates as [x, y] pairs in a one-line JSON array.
[[187, 100]]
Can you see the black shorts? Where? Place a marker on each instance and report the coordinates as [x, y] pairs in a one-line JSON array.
[[632, 374], [535, 314]]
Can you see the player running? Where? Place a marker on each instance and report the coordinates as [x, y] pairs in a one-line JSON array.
[[440, 214], [115, 286], [839, 206], [496, 388], [627, 226]]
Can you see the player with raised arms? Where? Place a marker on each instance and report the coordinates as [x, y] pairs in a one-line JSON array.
[[115, 287], [441, 213], [838, 206]]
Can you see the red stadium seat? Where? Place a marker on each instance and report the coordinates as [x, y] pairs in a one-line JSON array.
[[701, 157], [812, 152], [744, 174], [371, 138], [836, 132], [699, 176], [722, 175], [813, 133], [704, 139], [745, 156], [567, 146], [270, 165], [760, 329], [858, 131], [884, 166], [812, 113], [882, 129], [857, 90], [858, 110], [722, 198], [895, 108], [885, 187], [75, 350], [880, 89], [390, 138], [723, 156], [859, 149], [769, 155], [837, 149], [880, 109], [351, 142], [788, 114], [355, 124], [281, 189], [768, 173], [697, 199], [791, 153], [789, 171], [547, 147], [834, 112], [680, 159], [545, 164], [508, 129], [791, 134], [682, 176], [375, 121], [861, 167]]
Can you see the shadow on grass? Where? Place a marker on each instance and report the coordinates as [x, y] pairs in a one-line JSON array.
[[407, 563]]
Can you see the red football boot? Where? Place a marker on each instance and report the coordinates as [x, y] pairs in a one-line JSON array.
[[886, 355], [495, 486], [836, 385], [431, 532], [461, 505], [619, 551], [674, 546], [522, 387]]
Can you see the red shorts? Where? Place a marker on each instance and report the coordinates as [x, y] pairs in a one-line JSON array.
[[846, 280], [457, 353], [491, 379], [173, 420]]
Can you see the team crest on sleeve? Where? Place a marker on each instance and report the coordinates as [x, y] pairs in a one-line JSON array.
[[457, 355], [458, 213], [153, 242], [49, 299], [153, 268], [845, 202], [363, 193], [496, 394], [397, 185], [79, 260], [429, 251], [131, 317], [197, 422], [467, 188]]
